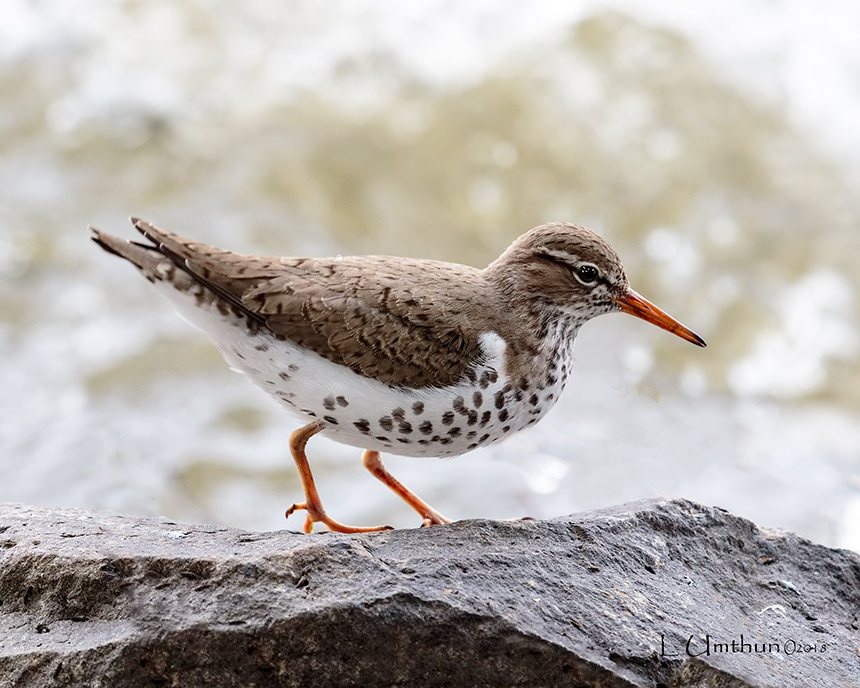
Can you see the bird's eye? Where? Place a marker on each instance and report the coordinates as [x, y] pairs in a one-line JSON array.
[[587, 273]]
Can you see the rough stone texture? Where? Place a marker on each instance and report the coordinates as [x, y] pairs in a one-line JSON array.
[[100, 599]]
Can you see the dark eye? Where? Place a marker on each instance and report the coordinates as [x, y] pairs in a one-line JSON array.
[[587, 273]]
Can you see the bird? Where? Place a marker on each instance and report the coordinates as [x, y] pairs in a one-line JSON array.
[[397, 355]]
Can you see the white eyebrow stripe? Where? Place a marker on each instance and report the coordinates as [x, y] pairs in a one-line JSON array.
[[562, 255]]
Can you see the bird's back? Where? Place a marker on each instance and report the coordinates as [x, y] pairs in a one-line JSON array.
[[361, 312]]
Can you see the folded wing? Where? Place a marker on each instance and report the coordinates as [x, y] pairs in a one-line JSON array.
[[359, 312]]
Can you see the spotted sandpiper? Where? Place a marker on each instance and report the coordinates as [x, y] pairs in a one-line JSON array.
[[398, 355]]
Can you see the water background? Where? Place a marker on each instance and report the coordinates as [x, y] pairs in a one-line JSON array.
[[714, 144]]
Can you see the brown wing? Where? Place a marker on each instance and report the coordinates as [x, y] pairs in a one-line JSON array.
[[398, 320]]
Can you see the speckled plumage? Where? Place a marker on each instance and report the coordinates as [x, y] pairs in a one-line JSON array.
[[401, 355]]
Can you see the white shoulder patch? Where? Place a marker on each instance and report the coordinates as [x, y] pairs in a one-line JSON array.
[[493, 346]]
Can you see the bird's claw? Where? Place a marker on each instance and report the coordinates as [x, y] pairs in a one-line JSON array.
[[316, 514], [434, 518]]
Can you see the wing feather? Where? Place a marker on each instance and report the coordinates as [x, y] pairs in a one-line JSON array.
[[398, 320]]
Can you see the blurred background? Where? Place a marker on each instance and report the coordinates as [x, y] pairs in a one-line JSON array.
[[715, 144]]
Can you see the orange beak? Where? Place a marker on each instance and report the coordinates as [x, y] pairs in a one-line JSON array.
[[641, 307]]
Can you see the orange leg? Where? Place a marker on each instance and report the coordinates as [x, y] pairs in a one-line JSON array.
[[373, 463], [312, 504]]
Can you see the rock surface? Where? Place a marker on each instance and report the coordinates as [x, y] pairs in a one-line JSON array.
[[613, 597]]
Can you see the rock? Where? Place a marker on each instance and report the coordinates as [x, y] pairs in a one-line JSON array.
[[613, 597]]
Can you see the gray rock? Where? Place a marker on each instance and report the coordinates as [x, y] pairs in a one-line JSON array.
[[613, 597]]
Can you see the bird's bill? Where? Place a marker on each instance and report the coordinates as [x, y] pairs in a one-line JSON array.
[[637, 305]]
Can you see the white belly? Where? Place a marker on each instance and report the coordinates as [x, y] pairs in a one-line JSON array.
[[363, 412]]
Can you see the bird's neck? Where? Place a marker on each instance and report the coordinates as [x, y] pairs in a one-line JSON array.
[[559, 333], [543, 331], [544, 349]]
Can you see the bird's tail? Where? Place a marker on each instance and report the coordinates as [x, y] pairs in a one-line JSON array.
[[188, 266], [145, 257]]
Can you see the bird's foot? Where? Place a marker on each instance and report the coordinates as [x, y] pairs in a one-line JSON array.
[[433, 518], [315, 514]]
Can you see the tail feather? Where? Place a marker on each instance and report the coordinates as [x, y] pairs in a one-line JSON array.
[[230, 270], [178, 248], [143, 256], [179, 261]]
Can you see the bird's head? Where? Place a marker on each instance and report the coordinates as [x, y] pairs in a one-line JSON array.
[[570, 269]]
